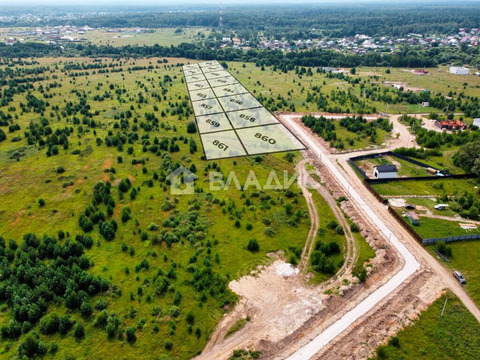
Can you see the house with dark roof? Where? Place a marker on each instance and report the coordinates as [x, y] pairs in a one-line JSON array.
[[385, 171]]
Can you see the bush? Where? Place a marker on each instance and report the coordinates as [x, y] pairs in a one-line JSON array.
[[190, 318], [78, 331], [340, 230], [41, 202], [354, 227], [60, 170], [395, 341], [269, 232], [168, 345], [253, 245], [332, 225], [131, 337]]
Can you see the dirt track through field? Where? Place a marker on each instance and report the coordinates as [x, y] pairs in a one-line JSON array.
[[338, 165]]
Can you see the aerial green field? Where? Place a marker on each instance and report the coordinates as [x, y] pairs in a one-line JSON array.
[[455, 335], [433, 187], [92, 158], [162, 36], [464, 259]]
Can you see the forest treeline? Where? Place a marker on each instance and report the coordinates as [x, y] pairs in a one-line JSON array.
[[291, 22], [409, 57]]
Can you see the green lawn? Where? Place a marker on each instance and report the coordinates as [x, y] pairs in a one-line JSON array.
[[465, 258], [455, 336], [431, 228], [426, 187]]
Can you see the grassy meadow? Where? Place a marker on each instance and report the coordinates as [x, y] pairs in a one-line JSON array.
[[228, 221]]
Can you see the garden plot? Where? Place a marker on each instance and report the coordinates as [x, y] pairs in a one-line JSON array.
[[268, 139], [239, 102], [216, 74], [211, 123], [192, 72], [222, 145], [194, 78], [202, 94], [228, 80], [251, 117], [229, 90], [212, 68], [206, 107], [198, 85]]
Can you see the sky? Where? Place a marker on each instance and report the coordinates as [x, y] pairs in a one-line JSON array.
[[184, 2]]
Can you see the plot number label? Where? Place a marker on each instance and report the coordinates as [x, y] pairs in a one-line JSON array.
[[265, 138], [247, 117], [213, 122], [220, 145]]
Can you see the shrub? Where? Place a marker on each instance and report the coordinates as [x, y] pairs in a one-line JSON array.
[[269, 231], [41, 202], [340, 230], [253, 245], [130, 332], [60, 170], [332, 225], [78, 331], [354, 227], [395, 341]]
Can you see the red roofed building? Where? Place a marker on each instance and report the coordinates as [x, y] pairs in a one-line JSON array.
[[450, 125]]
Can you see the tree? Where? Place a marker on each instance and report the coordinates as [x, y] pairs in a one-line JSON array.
[[78, 331], [468, 158], [190, 317], [253, 245], [41, 202], [353, 71], [191, 127], [86, 308], [130, 332]]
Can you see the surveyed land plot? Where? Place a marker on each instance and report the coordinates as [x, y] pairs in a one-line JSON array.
[[216, 74], [202, 94], [239, 102], [251, 117], [268, 139], [195, 78], [212, 123], [206, 107], [222, 144], [228, 80], [198, 85], [230, 120], [229, 90]]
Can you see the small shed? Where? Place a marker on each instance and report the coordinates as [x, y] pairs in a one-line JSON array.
[[413, 217], [385, 171]]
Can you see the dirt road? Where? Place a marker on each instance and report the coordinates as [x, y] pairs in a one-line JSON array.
[[408, 247]]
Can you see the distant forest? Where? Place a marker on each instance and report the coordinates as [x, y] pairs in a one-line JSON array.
[[409, 57], [300, 21]]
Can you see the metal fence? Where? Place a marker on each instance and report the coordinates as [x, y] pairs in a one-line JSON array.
[[450, 239]]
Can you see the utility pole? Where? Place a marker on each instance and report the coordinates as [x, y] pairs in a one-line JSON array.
[[444, 305]]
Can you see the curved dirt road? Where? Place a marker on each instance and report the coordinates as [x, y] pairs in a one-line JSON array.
[[341, 171]]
